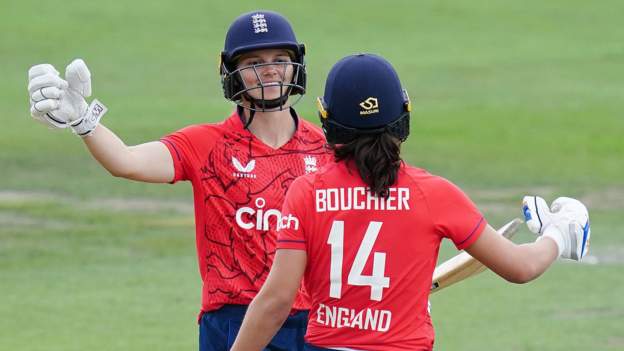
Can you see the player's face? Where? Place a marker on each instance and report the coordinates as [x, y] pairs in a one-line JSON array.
[[266, 68]]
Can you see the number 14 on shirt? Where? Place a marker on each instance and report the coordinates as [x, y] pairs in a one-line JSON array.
[[377, 281]]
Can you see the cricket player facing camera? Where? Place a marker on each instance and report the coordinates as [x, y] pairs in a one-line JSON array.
[[239, 168], [364, 231]]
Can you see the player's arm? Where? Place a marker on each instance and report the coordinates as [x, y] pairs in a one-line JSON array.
[[565, 232], [514, 263], [148, 162], [60, 103], [269, 309], [463, 266]]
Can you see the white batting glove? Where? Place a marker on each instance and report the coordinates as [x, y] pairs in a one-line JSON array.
[[537, 215], [44, 89], [61, 103], [567, 223]]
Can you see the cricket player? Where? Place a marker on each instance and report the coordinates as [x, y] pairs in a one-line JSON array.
[[240, 168], [364, 232]]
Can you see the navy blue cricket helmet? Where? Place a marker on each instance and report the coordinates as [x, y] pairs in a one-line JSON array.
[[260, 30], [363, 96]]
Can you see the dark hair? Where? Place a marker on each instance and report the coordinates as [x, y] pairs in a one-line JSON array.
[[377, 160]]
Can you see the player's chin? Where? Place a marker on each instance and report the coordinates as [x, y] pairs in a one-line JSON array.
[[269, 93]]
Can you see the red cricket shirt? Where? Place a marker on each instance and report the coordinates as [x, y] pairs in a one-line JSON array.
[[371, 260], [239, 184]]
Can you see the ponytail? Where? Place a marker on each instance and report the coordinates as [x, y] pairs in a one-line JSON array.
[[377, 160]]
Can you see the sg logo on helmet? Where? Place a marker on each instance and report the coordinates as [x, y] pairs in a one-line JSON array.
[[370, 105]]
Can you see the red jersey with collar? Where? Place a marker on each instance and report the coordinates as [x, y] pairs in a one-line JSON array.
[[239, 184], [371, 260]]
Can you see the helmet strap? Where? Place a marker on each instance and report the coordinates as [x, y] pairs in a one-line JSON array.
[[252, 113]]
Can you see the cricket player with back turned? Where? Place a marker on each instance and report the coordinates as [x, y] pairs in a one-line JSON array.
[[239, 168], [364, 231]]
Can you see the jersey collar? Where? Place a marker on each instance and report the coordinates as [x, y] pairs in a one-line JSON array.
[[240, 112]]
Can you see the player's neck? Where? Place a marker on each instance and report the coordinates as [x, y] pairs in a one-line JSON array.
[[273, 128]]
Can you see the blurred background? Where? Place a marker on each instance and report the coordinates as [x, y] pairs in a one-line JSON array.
[[510, 98]]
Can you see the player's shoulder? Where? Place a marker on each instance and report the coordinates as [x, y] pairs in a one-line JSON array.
[[330, 170], [415, 174], [308, 128], [204, 130], [196, 129], [301, 187], [305, 181], [426, 181], [336, 174]]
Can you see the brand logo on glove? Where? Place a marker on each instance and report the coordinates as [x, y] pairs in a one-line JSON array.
[[97, 110]]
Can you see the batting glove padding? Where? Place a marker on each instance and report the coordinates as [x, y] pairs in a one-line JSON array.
[[536, 213], [61, 103], [566, 222], [45, 91]]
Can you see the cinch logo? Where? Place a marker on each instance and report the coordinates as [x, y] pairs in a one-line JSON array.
[[310, 164], [259, 23], [288, 222], [245, 216], [243, 171], [370, 105]]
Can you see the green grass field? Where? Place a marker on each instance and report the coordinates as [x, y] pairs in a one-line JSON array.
[[510, 98]]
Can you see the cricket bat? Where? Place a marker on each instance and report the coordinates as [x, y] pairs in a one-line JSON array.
[[465, 266]]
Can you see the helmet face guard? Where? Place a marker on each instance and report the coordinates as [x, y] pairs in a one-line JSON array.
[[235, 89], [254, 31]]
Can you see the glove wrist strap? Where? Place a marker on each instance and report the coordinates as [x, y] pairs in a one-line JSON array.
[[555, 234], [89, 121]]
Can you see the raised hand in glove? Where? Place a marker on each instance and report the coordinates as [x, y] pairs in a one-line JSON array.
[[60, 103]]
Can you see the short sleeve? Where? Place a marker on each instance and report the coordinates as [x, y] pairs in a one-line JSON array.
[[184, 146], [455, 216], [178, 145], [291, 234]]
